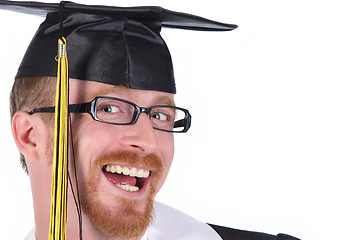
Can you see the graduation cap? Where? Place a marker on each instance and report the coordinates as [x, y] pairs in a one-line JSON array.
[[113, 45]]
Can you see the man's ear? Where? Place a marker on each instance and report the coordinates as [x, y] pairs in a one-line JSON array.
[[25, 128]]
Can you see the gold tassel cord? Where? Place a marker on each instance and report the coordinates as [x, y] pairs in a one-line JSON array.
[[57, 224]]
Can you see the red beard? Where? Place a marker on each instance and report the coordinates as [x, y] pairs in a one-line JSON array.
[[125, 220]]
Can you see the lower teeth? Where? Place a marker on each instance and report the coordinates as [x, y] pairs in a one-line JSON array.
[[128, 187]]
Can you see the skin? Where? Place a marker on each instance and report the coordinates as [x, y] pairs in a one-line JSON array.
[[91, 140]]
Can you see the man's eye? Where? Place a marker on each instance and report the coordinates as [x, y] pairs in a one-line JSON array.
[[159, 116], [110, 109]]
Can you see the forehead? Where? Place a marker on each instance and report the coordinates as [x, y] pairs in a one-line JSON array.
[[85, 91]]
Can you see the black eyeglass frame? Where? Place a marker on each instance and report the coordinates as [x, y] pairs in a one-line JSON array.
[[90, 107]]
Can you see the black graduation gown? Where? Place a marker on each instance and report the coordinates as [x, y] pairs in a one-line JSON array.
[[235, 234]]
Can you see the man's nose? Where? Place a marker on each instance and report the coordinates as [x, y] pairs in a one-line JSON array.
[[140, 136]]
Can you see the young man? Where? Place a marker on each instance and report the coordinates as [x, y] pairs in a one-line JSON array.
[[122, 119]]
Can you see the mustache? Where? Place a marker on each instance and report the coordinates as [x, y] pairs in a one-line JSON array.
[[151, 161]]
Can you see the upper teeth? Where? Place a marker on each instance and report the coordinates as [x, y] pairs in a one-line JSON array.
[[133, 172]]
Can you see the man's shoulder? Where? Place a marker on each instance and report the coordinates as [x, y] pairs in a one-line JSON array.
[[235, 234], [170, 223]]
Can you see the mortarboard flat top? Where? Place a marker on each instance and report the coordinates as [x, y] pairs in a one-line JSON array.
[[114, 45]]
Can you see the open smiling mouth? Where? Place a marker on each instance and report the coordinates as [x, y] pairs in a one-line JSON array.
[[129, 179]]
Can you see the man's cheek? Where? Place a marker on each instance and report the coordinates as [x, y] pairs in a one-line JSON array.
[[163, 177]]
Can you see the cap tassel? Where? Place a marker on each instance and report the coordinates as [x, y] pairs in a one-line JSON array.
[[57, 225]]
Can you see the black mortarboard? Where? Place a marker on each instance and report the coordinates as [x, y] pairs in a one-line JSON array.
[[114, 45]]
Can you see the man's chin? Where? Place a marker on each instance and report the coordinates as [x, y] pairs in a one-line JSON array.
[[125, 219], [114, 211]]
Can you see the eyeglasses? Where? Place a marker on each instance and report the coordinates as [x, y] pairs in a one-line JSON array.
[[122, 112]]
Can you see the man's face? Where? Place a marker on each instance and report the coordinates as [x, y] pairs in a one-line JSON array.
[[113, 200]]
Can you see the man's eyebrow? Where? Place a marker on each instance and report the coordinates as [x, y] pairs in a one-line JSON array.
[[106, 91], [160, 100], [164, 100]]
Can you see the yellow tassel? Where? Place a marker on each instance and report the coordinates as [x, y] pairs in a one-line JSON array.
[[57, 224]]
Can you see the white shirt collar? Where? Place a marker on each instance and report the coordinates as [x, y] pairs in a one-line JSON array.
[[31, 236], [170, 223], [145, 237]]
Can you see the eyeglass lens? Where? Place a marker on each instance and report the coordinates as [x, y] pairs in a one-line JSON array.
[[120, 112]]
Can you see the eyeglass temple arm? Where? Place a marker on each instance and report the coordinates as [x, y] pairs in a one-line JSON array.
[[180, 123], [74, 108], [186, 122]]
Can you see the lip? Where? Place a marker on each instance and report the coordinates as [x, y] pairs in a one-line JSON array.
[[141, 192]]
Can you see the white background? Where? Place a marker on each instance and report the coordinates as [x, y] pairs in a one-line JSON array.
[[275, 138]]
